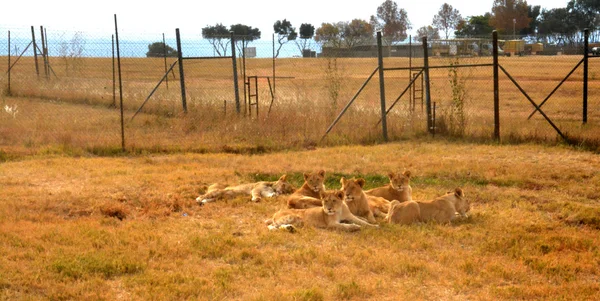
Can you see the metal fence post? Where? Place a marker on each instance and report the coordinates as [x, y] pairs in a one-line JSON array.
[[381, 87], [120, 85], [427, 85], [236, 89], [585, 73], [496, 91], [9, 63], [37, 68], [181, 74]]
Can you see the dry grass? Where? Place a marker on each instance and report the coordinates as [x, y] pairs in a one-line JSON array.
[[128, 228], [49, 122]]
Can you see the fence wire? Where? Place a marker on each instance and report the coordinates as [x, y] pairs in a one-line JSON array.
[[69, 100]]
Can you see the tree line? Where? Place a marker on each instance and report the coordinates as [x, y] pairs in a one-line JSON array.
[[511, 18]]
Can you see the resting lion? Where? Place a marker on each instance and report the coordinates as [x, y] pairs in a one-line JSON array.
[[359, 203], [330, 215], [310, 193], [398, 189], [443, 209], [403, 213], [256, 190]]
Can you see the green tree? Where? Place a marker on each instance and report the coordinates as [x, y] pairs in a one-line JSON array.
[[533, 12], [328, 35], [391, 21], [160, 49], [219, 37], [585, 13], [509, 16], [447, 19], [557, 25], [428, 31], [307, 32], [285, 32], [244, 35], [474, 26]]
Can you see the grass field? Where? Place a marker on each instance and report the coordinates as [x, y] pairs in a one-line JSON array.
[[78, 226], [71, 110]]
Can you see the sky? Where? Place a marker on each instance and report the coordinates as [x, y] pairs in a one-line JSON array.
[[150, 17]]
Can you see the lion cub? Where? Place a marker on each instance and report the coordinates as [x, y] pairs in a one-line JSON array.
[[443, 209], [359, 203], [399, 188], [256, 190], [310, 193], [329, 215]]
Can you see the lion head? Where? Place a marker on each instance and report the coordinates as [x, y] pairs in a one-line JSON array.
[[352, 188], [457, 197], [333, 202], [282, 186], [399, 180], [315, 180]]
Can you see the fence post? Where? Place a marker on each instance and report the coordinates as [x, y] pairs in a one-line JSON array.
[[44, 54], [236, 89], [585, 73], [496, 91], [37, 68], [120, 85], [427, 85], [9, 63], [381, 87], [181, 74]]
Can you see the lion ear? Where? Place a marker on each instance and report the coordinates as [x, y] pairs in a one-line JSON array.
[[306, 176], [340, 194], [407, 173], [391, 175], [360, 182], [283, 178], [458, 192], [342, 180], [322, 173]]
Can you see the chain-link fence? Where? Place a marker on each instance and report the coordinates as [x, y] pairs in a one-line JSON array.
[[63, 93]]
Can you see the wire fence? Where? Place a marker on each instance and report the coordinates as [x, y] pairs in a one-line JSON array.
[[63, 93]]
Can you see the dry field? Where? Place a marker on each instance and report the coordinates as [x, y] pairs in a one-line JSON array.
[[76, 227], [70, 112]]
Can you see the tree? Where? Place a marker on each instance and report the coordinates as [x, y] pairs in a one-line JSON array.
[[428, 31], [219, 37], [474, 26], [557, 25], [307, 32], [447, 18], [244, 34], [509, 16], [160, 49], [585, 13], [328, 35], [285, 32], [391, 21], [533, 12], [356, 32]]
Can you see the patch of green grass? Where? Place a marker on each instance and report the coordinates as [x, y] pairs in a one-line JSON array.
[[349, 290], [96, 263], [311, 294]]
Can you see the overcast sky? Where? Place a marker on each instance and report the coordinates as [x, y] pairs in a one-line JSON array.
[[190, 16]]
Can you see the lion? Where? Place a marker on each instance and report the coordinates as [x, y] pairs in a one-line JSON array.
[[257, 190], [310, 193], [329, 215], [404, 213], [359, 203], [443, 209], [398, 189]]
